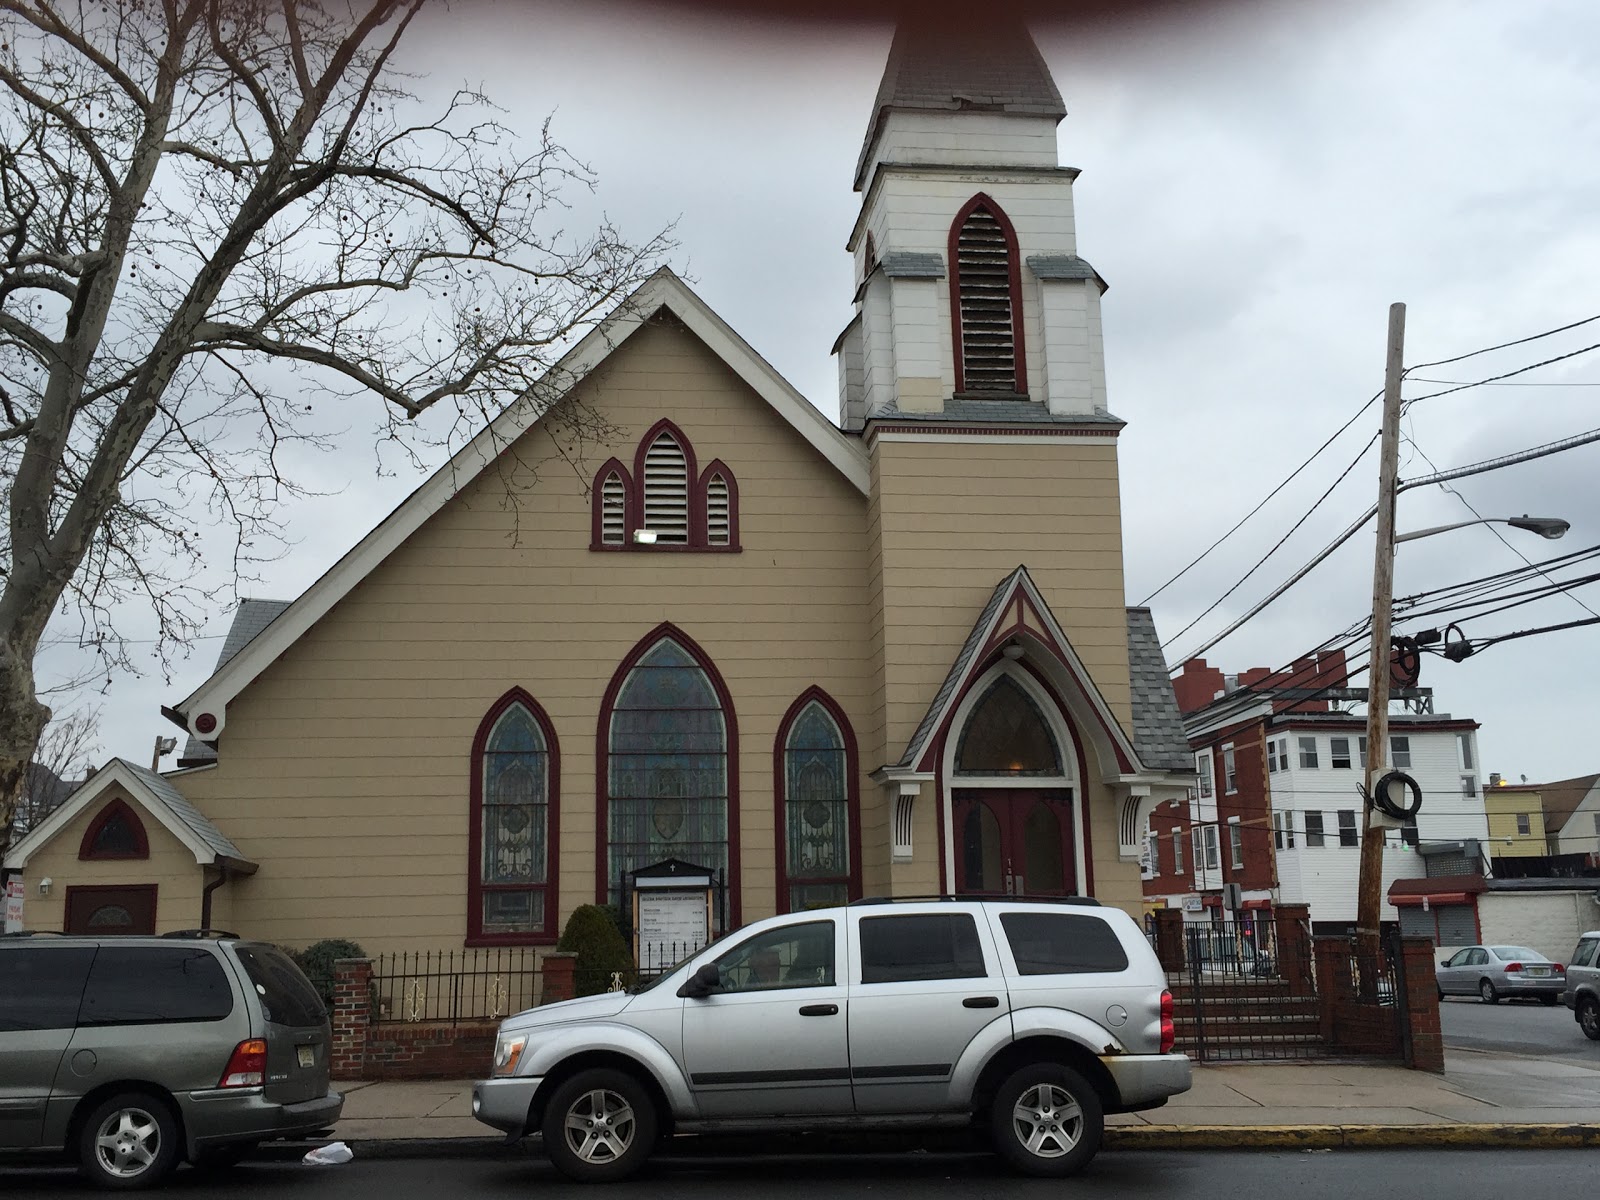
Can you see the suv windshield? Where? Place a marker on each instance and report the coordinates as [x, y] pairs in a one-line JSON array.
[[287, 997]]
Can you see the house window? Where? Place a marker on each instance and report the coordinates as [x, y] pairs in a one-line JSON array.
[[1202, 766], [1469, 786], [663, 503], [666, 764], [1152, 851], [1314, 832], [1283, 830], [1524, 824], [985, 301], [1339, 753], [1597, 823], [1400, 752], [1208, 839], [1361, 747], [1464, 749], [513, 784], [1278, 755], [816, 813], [1230, 776], [1408, 832], [115, 833], [1308, 754], [1347, 828], [1235, 844], [1177, 852]]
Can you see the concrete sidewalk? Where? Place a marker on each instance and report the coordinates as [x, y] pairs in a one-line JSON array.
[[1480, 1099]]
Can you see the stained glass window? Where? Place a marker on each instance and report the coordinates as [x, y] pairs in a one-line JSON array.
[[1007, 735], [667, 775], [816, 811], [516, 809], [116, 838]]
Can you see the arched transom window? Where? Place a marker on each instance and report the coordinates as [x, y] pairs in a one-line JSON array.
[[115, 832], [1007, 735], [513, 892], [816, 816], [666, 767]]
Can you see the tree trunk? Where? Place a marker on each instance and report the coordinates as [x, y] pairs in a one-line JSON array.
[[22, 720]]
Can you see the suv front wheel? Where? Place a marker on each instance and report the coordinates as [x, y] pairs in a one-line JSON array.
[[1047, 1120], [599, 1126], [129, 1141]]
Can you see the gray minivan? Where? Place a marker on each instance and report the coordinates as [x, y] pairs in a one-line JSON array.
[[135, 1053]]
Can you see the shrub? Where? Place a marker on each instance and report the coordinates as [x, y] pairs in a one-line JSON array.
[[317, 960], [592, 935]]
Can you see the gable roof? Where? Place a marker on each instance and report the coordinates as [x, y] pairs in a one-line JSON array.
[[157, 796], [988, 66], [249, 619], [1158, 743], [1561, 799], [663, 290]]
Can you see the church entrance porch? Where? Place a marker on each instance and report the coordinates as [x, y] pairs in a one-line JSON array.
[[1014, 841]]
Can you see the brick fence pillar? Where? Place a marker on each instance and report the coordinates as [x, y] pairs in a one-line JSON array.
[[1169, 938], [1329, 953], [1422, 1004], [1292, 925], [559, 967], [352, 1013]]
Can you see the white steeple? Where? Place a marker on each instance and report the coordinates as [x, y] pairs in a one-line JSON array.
[[971, 301]]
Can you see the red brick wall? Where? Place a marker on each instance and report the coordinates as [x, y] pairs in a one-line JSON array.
[[1422, 1003], [425, 1050]]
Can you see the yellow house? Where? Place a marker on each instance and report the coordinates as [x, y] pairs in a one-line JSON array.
[[1516, 820], [883, 654]]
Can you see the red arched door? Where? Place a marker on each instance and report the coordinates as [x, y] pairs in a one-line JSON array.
[[1014, 841]]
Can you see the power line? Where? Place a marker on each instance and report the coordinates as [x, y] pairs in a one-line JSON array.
[[1469, 383], [1504, 345], [1291, 478], [1507, 375]]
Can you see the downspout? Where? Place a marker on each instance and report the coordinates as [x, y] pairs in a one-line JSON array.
[[205, 894]]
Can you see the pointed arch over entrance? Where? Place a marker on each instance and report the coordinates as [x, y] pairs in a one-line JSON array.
[[667, 766], [1013, 800]]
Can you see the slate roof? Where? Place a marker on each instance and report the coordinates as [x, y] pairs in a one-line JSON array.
[[1157, 723], [987, 66], [997, 412], [912, 264], [1064, 266], [251, 617], [184, 811]]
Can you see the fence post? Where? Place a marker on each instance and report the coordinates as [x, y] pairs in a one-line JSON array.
[[1292, 927], [560, 967], [1327, 952], [1169, 938], [352, 1014], [1422, 1004]]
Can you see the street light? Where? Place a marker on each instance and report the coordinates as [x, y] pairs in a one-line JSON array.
[[1546, 527]]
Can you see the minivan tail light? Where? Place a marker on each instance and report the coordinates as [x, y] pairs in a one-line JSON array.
[[1510, 967], [1169, 1034], [1560, 968], [247, 1067]]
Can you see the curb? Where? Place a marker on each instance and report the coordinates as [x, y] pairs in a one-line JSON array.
[[1117, 1137]]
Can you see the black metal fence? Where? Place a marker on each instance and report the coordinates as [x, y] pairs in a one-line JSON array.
[[454, 986]]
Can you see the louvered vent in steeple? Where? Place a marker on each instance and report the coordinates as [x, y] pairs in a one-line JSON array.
[[988, 352]]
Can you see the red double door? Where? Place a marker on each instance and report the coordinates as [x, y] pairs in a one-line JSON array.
[[1014, 841]]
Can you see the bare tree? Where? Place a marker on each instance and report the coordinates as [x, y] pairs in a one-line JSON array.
[[63, 760], [213, 216]]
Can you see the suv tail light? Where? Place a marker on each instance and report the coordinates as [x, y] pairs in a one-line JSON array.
[[1510, 967], [1169, 1035], [247, 1067]]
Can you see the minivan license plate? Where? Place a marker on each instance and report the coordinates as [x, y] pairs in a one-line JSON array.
[[308, 1055]]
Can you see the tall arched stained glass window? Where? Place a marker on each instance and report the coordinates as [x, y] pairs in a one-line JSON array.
[[816, 811], [513, 874], [666, 766]]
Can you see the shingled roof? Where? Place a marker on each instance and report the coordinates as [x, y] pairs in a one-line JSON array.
[[1157, 723], [250, 619], [987, 66]]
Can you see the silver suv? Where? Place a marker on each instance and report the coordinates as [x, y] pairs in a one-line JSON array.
[[1583, 984], [1032, 1018], [136, 1053]]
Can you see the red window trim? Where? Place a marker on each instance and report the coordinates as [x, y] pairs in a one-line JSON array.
[[602, 745], [86, 851], [552, 885], [780, 787], [633, 487], [1014, 263]]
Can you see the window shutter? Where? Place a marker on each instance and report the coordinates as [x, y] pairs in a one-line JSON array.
[[613, 511], [988, 341], [719, 526], [666, 491]]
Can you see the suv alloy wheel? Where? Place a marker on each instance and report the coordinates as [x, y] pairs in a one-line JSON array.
[[1589, 1017], [129, 1141], [1046, 1120], [600, 1126]]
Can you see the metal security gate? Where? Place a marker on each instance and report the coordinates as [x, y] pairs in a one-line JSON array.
[[1248, 993]]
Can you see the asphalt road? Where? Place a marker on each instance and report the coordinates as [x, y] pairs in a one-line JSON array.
[[1265, 1175], [1515, 1027]]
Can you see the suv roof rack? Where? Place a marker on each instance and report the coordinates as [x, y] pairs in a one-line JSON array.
[[981, 897], [200, 933], [22, 933]]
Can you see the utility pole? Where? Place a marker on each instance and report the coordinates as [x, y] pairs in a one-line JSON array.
[[1369, 895]]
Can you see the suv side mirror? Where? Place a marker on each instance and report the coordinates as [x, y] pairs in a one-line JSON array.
[[703, 982]]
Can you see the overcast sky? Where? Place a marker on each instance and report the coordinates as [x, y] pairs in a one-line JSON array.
[[1257, 187]]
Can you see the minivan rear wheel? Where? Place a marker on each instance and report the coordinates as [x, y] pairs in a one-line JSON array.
[[1047, 1120], [129, 1141], [600, 1126]]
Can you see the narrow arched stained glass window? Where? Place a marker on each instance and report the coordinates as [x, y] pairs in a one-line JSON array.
[[667, 767], [1007, 735], [816, 816], [516, 814]]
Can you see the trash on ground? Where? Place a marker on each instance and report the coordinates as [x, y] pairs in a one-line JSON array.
[[330, 1155]]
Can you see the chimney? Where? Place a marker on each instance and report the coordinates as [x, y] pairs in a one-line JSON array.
[[1494, 778]]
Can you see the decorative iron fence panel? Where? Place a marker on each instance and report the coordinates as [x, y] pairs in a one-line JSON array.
[[454, 986]]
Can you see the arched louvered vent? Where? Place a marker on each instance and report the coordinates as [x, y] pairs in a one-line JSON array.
[[988, 329], [666, 491], [613, 511], [719, 526]]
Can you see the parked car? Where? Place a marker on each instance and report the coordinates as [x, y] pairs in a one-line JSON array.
[[135, 1053], [1582, 993], [1492, 972], [1037, 1018], [1219, 951]]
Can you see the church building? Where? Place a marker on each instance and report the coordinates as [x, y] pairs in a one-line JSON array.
[[880, 651]]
